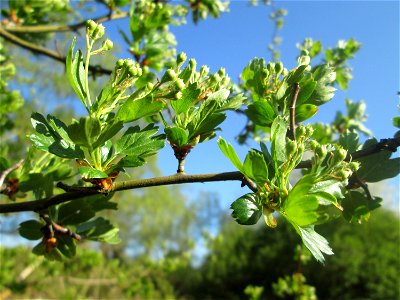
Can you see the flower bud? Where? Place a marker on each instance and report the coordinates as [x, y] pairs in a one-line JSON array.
[[278, 68], [180, 84], [354, 166], [177, 96], [181, 58], [304, 60], [192, 64], [313, 145], [271, 67], [291, 147], [149, 86], [107, 45], [204, 70]]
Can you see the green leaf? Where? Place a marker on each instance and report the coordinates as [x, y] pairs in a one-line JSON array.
[[268, 160], [208, 125], [232, 103], [305, 111], [316, 243], [74, 212], [295, 75], [254, 76], [134, 109], [325, 76], [357, 207], [278, 141], [307, 87], [131, 162], [140, 143], [300, 206], [220, 96], [31, 230], [261, 113], [176, 136], [89, 172], [246, 209], [396, 121], [76, 72], [99, 229], [40, 184], [51, 137], [66, 245], [255, 168], [378, 166], [108, 132], [230, 153], [86, 132], [189, 96], [202, 120], [349, 141]]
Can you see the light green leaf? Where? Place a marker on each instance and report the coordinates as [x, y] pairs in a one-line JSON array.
[[278, 141], [189, 96], [31, 230], [232, 103], [86, 132], [230, 153], [76, 72], [316, 243], [176, 136], [89, 172], [134, 109], [246, 209], [349, 141], [305, 111], [261, 113], [108, 132], [140, 143], [255, 168]]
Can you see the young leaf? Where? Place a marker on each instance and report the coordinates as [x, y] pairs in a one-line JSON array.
[[261, 113], [86, 132], [349, 141], [246, 209], [140, 143], [108, 132], [305, 111], [325, 76], [316, 243], [189, 96], [134, 109], [255, 168], [300, 206], [89, 172], [278, 141], [76, 72], [30, 230], [176, 136], [230, 153]]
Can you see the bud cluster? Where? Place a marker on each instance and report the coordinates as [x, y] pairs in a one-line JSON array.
[[94, 31], [126, 72]]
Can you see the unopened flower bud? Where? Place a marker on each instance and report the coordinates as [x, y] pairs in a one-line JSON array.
[[304, 60], [177, 96], [291, 147], [204, 71], [192, 63], [107, 45], [278, 68], [313, 144], [180, 84], [271, 67], [181, 58]]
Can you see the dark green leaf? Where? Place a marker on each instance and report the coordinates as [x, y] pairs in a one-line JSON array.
[[131, 162], [74, 212], [357, 207], [176, 136], [396, 121], [261, 113], [41, 185], [134, 109], [31, 230], [89, 172], [99, 229], [66, 245], [246, 209]]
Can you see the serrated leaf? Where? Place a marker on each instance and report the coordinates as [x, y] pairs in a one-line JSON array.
[[76, 72], [99, 229], [305, 111], [307, 87], [176, 136], [202, 118], [140, 143], [295, 75], [300, 206], [31, 230], [315, 242], [131, 162], [208, 125], [219, 96], [255, 168], [325, 76], [134, 109], [261, 113], [41, 185], [246, 209], [230, 153], [85, 132], [232, 103], [189, 96], [89, 172], [108, 132], [357, 207]]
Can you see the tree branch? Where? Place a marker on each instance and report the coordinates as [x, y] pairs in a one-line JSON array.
[[63, 28], [44, 51], [4, 174], [38, 205]]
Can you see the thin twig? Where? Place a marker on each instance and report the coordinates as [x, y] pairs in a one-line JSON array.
[[61, 28], [293, 110], [4, 174], [44, 51]]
